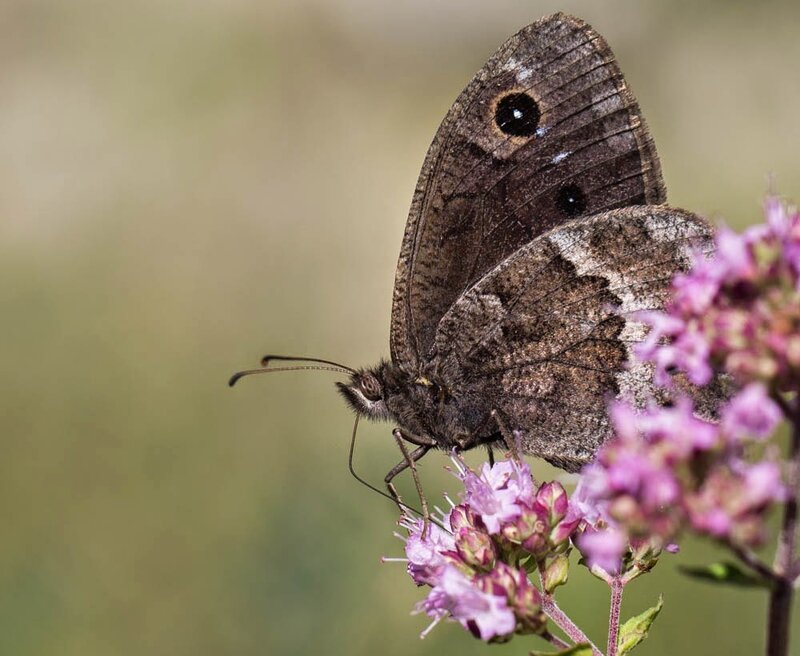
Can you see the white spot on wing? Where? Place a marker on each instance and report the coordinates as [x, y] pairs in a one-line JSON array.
[[515, 66], [561, 156], [573, 243]]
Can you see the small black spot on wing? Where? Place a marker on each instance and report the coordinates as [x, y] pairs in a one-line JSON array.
[[571, 200]]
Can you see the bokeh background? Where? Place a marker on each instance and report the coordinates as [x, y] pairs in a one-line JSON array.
[[187, 185]]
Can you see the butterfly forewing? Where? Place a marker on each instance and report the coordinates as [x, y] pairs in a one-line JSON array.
[[545, 132]]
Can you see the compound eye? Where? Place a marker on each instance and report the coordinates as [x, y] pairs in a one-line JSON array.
[[370, 387]]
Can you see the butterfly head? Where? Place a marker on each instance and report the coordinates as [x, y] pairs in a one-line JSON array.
[[365, 392]]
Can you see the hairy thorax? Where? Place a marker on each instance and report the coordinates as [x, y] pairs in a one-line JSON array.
[[424, 405]]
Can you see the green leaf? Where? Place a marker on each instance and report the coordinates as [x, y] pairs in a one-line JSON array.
[[635, 629], [581, 649], [530, 565], [726, 573]]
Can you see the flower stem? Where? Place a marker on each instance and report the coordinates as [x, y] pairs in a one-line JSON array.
[[782, 594], [617, 586], [555, 640], [563, 622], [752, 560]]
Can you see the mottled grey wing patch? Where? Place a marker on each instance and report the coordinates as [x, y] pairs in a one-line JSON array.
[[483, 193], [548, 334]]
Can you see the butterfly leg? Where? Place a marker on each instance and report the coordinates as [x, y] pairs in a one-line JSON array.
[[418, 440], [508, 435], [424, 443], [409, 462], [401, 466]]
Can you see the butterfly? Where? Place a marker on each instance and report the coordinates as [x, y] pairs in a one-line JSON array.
[[537, 232]]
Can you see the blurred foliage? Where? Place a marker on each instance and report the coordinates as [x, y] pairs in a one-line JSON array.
[[185, 185]]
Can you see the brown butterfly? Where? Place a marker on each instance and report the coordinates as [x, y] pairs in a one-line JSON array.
[[536, 233]]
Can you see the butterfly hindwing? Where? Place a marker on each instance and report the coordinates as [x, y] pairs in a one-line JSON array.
[[545, 337], [545, 132]]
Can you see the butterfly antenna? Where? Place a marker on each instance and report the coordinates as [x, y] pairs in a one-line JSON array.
[[291, 358], [248, 372], [267, 359]]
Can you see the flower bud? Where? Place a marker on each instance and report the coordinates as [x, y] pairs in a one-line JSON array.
[[462, 516], [553, 498], [556, 573], [535, 538], [644, 549], [531, 521], [501, 580], [645, 553], [562, 532], [527, 604], [537, 544], [475, 548]]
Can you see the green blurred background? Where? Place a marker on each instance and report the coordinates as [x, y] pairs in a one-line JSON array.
[[187, 185]]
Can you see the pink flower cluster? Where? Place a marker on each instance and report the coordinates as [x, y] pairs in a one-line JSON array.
[[738, 311], [477, 556], [667, 470]]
